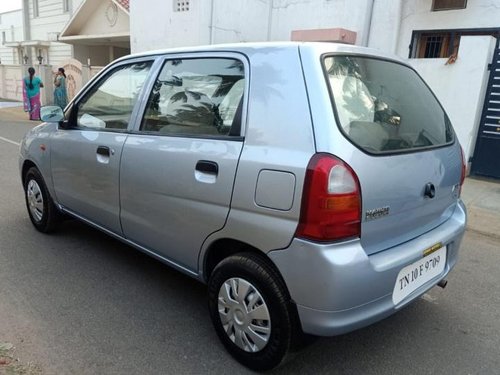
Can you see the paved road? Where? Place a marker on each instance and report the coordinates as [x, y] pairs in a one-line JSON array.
[[79, 302]]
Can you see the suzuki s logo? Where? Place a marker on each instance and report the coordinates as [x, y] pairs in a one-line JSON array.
[[377, 213]]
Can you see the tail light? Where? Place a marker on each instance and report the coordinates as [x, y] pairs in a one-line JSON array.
[[331, 201], [462, 177]]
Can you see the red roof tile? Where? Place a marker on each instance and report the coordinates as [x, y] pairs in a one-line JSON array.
[[124, 3]]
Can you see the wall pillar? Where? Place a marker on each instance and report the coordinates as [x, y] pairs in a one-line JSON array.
[[47, 76], [111, 53], [2, 82]]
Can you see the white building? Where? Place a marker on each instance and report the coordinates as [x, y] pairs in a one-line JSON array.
[[42, 21], [79, 35], [58, 30], [11, 30], [450, 42]]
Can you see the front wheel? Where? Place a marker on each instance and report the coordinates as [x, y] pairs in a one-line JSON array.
[[251, 311], [41, 209]]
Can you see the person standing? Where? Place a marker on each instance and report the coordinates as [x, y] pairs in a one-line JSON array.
[[31, 94], [60, 93]]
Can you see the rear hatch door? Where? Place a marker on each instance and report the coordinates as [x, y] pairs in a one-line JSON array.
[[405, 152]]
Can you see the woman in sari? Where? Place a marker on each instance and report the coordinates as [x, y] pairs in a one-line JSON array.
[[31, 94], [60, 94]]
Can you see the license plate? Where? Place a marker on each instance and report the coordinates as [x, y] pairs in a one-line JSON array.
[[417, 274]]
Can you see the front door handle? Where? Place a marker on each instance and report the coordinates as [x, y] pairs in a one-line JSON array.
[[103, 154]]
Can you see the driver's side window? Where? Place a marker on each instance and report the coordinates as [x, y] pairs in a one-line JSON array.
[[109, 104]]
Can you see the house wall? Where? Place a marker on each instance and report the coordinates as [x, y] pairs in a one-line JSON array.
[[12, 24], [383, 24], [220, 21], [154, 25], [288, 15], [235, 21], [11, 82], [461, 87]]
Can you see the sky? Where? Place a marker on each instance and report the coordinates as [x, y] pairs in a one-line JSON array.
[[7, 5]]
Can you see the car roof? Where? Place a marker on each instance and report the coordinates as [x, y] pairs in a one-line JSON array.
[[318, 48]]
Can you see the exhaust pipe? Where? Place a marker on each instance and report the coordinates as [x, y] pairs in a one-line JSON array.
[[443, 283]]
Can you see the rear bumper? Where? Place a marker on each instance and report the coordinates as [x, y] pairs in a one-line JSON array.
[[338, 288]]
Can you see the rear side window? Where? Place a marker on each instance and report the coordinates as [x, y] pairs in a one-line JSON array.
[[385, 107], [196, 97]]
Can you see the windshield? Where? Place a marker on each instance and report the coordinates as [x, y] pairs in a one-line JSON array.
[[385, 107]]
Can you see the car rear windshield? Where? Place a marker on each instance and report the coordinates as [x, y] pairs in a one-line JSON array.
[[385, 107]]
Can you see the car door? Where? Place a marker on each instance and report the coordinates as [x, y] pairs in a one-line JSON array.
[[178, 169], [85, 153]]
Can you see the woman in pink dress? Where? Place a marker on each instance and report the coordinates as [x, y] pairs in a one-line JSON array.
[[31, 94]]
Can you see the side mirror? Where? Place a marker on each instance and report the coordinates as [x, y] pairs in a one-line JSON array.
[[51, 114]]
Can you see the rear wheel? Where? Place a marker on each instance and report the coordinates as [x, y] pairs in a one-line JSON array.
[[41, 209], [251, 311]]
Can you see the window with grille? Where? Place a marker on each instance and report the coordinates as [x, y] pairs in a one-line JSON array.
[[448, 4], [443, 43], [181, 6], [435, 45]]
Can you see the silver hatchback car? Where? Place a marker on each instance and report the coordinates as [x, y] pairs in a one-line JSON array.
[[314, 187]]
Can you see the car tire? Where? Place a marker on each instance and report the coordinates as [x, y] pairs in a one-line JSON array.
[[41, 208], [251, 311]]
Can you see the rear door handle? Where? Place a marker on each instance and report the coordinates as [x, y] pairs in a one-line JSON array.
[[103, 150], [206, 171], [207, 166]]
